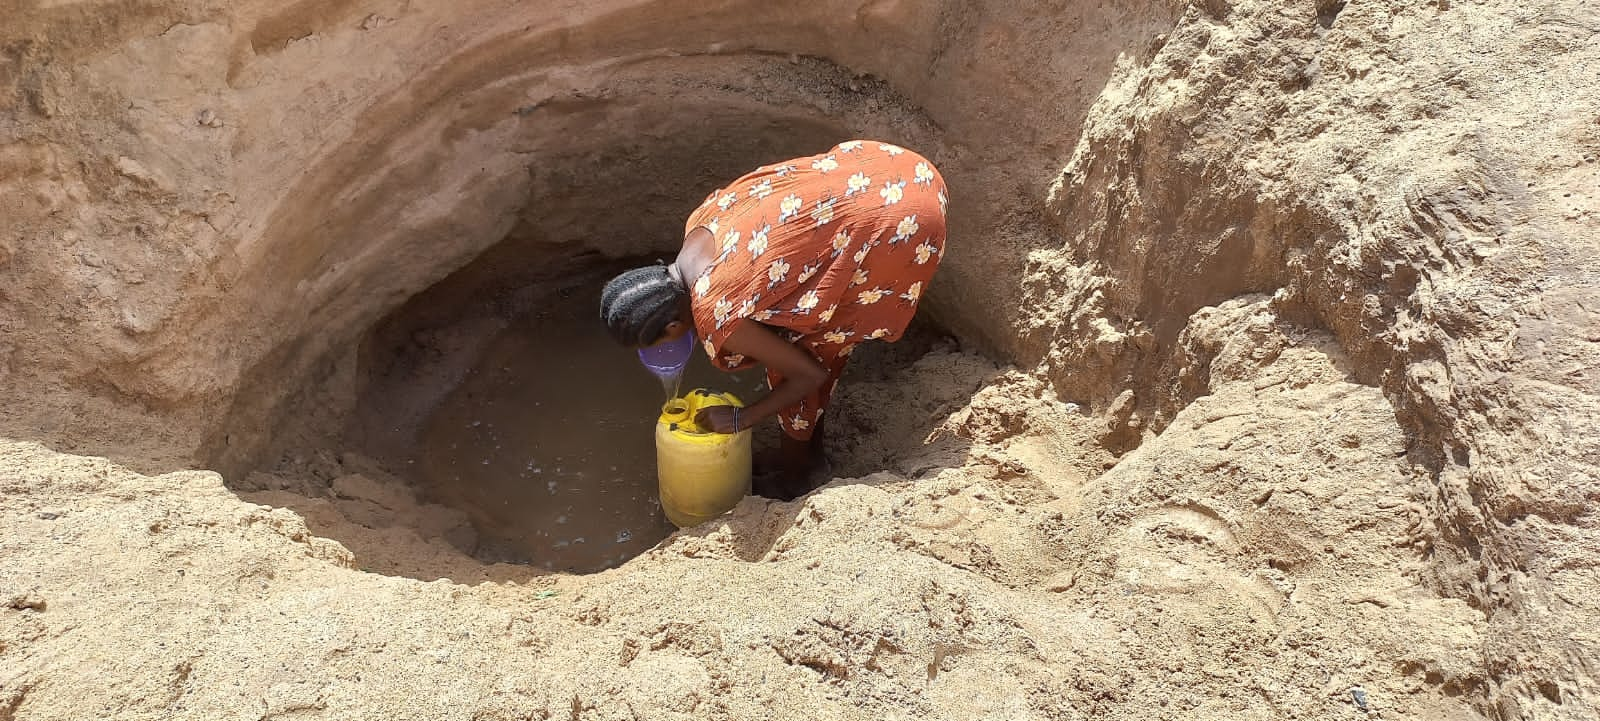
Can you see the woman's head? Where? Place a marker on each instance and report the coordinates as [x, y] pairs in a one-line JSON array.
[[642, 307]]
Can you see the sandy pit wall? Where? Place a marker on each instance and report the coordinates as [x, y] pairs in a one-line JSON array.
[[207, 205], [1417, 180], [224, 198]]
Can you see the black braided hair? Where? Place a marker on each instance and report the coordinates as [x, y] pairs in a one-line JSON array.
[[638, 304]]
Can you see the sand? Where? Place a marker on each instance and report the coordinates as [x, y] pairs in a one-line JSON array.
[[1259, 381]]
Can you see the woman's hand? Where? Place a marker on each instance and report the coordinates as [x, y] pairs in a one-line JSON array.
[[721, 419]]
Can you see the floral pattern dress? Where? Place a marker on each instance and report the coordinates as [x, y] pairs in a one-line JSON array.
[[828, 251]]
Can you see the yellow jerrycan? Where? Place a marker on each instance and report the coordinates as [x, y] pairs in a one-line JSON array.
[[702, 474]]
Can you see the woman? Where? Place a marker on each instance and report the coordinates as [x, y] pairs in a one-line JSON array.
[[791, 266]]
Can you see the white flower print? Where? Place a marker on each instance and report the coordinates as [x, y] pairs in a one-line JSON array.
[[714, 225], [925, 252], [891, 149], [806, 273], [861, 254], [758, 241], [783, 170], [893, 192], [827, 314], [860, 278], [747, 307], [825, 164], [807, 302], [907, 228], [711, 350], [777, 272], [734, 360], [703, 285], [791, 207], [879, 333], [763, 316], [845, 353], [721, 310], [858, 183], [762, 189], [823, 213], [838, 337], [727, 200], [914, 292], [850, 146], [924, 174], [799, 423], [730, 241], [868, 297], [841, 241], [943, 201]]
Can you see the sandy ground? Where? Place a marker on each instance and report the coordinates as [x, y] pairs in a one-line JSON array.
[[1273, 396], [1255, 565]]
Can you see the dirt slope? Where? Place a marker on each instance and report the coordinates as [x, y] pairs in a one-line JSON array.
[[1293, 304], [1242, 564]]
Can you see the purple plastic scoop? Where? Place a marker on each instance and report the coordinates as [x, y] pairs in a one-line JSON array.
[[667, 360]]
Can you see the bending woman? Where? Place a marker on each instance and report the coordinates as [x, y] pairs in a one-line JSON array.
[[791, 266]]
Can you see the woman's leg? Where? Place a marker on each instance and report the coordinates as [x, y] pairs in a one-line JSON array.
[[803, 456], [797, 461], [802, 423], [786, 473]]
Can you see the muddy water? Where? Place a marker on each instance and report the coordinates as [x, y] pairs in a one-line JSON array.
[[549, 444]]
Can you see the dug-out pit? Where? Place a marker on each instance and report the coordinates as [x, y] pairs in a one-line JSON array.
[[447, 276], [497, 391], [270, 236]]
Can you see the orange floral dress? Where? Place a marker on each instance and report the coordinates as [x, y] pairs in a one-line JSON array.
[[828, 250]]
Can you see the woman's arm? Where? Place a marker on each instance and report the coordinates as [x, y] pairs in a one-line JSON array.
[[801, 373]]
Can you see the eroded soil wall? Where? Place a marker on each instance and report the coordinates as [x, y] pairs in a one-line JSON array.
[[1313, 280]]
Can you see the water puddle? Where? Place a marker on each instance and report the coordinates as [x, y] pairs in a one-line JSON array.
[[548, 443]]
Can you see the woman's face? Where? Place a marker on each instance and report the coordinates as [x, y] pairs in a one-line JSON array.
[[672, 332]]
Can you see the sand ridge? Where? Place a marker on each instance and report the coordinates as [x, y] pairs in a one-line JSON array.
[[1266, 368]]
